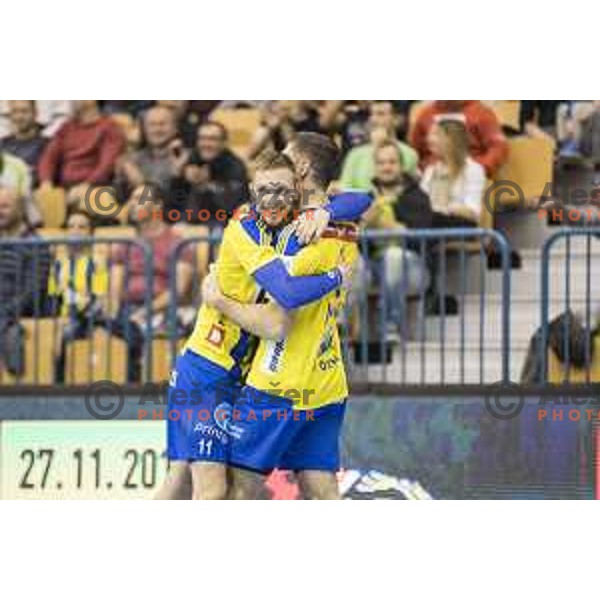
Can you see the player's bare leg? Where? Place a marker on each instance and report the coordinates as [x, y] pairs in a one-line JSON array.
[[244, 485], [209, 481], [318, 485], [177, 484]]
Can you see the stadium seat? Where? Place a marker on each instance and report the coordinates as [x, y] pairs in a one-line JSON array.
[[530, 165], [42, 337], [507, 111], [52, 205], [102, 203], [202, 249], [100, 357], [117, 232], [557, 373], [162, 359], [241, 123], [52, 232]]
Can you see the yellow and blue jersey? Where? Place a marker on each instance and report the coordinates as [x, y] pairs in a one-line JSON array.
[[246, 247], [76, 281], [307, 366]]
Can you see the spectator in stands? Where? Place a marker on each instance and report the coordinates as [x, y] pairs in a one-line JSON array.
[[129, 277], [51, 114], [590, 134], [399, 202], [16, 176], [358, 169], [570, 116], [189, 114], [83, 152], [25, 141], [538, 117], [77, 287], [214, 179], [282, 119], [454, 182], [23, 276], [160, 159], [487, 144], [350, 118]]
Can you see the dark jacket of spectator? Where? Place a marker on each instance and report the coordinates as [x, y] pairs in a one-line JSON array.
[[225, 189], [23, 276], [29, 150], [487, 144], [82, 152]]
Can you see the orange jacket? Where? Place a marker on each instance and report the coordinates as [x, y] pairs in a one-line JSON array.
[[488, 146]]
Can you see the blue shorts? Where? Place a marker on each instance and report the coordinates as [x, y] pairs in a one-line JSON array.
[[273, 435], [199, 425]]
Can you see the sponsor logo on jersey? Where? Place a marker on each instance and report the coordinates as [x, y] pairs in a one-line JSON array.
[[216, 336], [274, 356], [224, 420]]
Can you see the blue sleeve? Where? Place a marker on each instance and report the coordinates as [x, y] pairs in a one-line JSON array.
[[292, 292], [349, 206]]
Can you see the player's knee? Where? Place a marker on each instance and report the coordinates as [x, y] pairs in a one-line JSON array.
[[319, 487], [215, 490], [209, 481]]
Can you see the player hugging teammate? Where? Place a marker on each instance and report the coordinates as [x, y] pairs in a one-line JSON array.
[[264, 361]]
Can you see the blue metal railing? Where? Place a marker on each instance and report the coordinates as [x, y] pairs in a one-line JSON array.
[[567, 299], [47, 251], [377, 360], [420, 350]]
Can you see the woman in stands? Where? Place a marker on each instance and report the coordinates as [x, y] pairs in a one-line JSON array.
[[454, 182]]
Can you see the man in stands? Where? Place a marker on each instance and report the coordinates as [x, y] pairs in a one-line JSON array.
[[23, 276], [399, 265], [487, 143], [83, 152], [161, 158], [359, 166], [25, 141], [214, 178]]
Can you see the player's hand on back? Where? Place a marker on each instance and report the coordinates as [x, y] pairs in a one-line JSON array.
[[311, 224], [347, 271], [211, 294]]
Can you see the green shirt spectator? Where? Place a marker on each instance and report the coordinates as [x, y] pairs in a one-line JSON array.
[[16, 176], [359, 166]]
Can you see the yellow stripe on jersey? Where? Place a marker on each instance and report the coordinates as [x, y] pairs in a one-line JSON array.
[[244, 249], [307, 366], [77, 280]]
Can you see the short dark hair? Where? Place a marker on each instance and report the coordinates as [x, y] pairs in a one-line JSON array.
[[321, 152], [82, 213], [220, 126]]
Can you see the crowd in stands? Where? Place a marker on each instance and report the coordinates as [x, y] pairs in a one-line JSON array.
[[426, 163]]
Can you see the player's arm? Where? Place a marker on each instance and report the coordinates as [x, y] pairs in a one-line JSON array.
[[268, 321], [265, 265], [346, 206]]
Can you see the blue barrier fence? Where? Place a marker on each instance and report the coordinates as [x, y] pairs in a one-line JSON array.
[[399, 327], [567, 313], [60, 291]]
